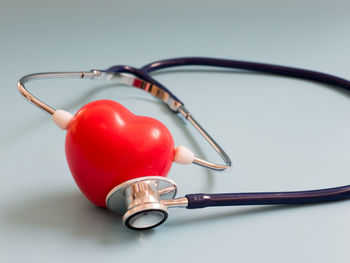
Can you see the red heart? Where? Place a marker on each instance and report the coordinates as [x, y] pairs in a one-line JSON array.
[[107, 145]]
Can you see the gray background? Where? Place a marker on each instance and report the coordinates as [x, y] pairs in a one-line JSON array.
[[282, 134]]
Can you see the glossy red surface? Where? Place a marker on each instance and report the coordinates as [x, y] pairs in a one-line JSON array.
[[107, 145]]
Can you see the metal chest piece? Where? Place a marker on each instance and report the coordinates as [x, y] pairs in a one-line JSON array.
[[140, 201]]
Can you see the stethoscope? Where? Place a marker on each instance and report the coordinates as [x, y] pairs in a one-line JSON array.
[[120, 160]]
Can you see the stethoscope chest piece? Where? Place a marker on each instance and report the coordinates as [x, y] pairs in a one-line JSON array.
[[140, 201]]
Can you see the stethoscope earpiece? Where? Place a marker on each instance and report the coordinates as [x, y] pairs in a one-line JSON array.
[[141, 201]]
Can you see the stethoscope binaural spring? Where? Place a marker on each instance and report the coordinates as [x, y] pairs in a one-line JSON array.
[[120, 160]]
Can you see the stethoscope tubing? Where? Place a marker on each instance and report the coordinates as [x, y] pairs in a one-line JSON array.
[[145, 71], [201, 200], [251, 66], [269, 198]]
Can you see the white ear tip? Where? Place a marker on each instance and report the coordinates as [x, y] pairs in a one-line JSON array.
[[62, 118], [183, 155]]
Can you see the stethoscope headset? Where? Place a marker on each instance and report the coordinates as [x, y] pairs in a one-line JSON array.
[[120, 160]]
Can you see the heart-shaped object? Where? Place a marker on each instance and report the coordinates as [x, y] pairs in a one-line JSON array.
[[107, 145]]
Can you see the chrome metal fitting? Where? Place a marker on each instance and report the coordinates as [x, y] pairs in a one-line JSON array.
[[141, 201]]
